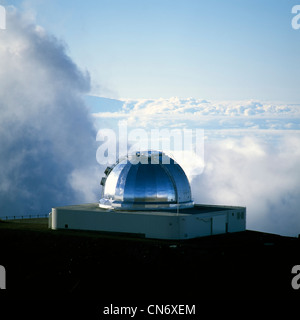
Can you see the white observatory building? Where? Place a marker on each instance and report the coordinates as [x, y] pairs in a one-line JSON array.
[[148, 194]]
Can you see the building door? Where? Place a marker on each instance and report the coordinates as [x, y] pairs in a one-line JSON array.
[[218, 224]]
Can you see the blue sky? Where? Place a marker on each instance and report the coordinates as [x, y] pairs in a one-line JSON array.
[[230, 68], [187, 48]]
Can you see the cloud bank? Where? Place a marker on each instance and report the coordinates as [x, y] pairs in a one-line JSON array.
[[251, 153], [209, 115], [263, 176], [47, 139]]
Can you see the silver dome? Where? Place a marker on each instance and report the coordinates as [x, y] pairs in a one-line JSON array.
[[148, 180]]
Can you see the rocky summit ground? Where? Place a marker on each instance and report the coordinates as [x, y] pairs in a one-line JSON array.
[[65, 264]]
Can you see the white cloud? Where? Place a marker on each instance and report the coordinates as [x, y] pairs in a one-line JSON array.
[[261, 176], [207, 114], [85, 181], [251, 154], [46, 132]]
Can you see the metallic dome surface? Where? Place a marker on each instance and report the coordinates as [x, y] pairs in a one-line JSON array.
[[146, 180]]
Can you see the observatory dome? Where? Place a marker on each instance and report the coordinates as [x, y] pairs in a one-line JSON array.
[[148, 180]]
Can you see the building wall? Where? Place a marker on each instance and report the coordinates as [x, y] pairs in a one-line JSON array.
[[194, 226], [151, 225], [236, 220]]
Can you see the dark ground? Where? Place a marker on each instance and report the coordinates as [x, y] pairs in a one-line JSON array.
[[42, 263]]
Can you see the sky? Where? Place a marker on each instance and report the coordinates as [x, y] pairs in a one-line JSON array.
[[71, 68], [221, 50]]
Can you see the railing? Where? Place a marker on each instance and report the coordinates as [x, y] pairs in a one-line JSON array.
[[28, 216]]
